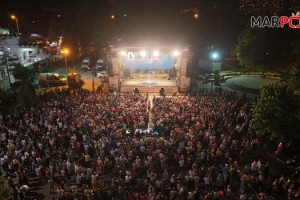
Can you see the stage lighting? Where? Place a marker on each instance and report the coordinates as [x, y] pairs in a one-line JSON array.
[[155, 53], [130, 55], [176, 53], [122, 53], [143, 53]]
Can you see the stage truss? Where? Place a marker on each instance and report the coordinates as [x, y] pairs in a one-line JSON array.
[[148, 80]]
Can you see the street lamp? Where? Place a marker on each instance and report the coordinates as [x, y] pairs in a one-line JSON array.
[[215, 56], [17, 23], [66, 52], [196, 16]]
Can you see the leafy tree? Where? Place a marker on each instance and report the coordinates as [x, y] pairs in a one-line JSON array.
[[260, 49], [21, 73], [292, 75], [276, 112], [251, 48], [26, 95], [294, 80]]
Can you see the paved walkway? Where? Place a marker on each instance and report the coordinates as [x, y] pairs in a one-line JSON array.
[[240, 85]]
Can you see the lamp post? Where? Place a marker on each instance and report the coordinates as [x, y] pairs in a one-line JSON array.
[[66, 52], [17, 23], [214, 58]]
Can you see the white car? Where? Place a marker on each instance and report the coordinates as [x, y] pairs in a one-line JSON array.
[[86, 64], [100, 64], [102, 74]]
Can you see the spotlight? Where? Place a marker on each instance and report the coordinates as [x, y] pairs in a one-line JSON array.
[[155, 53], [143, 53], [176, 53], [122, 53]]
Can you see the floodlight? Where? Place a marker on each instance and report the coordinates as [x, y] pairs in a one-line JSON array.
[[155, 53], [143, 53], [176, 53]]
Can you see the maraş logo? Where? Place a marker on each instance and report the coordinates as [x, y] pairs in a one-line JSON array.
[[276, 21]]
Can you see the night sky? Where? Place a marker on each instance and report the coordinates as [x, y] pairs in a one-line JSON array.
[[218, 24]]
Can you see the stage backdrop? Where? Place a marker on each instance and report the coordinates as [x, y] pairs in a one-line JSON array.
[[133, 60]]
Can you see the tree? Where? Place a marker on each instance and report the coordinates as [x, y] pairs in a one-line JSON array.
[[294, 80], [276, 112], [26, 95], [260, 49], [251, 48], [21, 72]]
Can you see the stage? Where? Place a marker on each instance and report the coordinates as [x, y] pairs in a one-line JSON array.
[[150, 85], [149, 69]]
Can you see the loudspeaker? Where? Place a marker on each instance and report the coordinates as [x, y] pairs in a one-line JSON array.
[[136, 91], [162, 92]]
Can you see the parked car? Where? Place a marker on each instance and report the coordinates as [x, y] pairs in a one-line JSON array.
[[102, 74], [100, 65], [51, 80], [86, 64]]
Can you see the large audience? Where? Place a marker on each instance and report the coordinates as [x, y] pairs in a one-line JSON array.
[[84, 145]]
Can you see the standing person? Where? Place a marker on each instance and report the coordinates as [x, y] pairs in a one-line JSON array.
[[144, 197], [279, 149], [68, 177], [94, 179], [242, 186], [206, 182], [243, 197], [51, 185], [228, 192]]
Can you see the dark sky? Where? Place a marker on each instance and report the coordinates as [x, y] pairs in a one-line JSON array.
[[165, 21], [131, 5], [158, 21]]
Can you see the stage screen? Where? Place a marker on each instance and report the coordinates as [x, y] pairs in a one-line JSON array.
[[133, 60]]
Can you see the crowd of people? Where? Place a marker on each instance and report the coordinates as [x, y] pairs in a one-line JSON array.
[[83, 145]]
